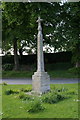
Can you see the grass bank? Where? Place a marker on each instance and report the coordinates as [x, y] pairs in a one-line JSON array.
[[28, 74], [13, 107], [57, 70]]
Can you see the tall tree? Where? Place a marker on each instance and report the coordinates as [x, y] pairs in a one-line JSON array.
[[19, 23], [60, 29], [70, 29]]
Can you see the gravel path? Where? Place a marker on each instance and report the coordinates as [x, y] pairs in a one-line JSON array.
[[29, 81]]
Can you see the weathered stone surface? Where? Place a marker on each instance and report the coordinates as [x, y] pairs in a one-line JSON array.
[[40, 82], [40, 79]]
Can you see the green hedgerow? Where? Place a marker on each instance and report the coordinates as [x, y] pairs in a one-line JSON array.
[[7, 67], [75, 70]]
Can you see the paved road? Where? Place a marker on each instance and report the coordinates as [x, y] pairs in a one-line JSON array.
[[29, 81]]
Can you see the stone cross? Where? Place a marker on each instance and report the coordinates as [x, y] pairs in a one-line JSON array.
[[40, 79], [40, 58]]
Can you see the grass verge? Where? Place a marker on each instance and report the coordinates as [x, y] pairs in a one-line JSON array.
[[57, 70], [28, 74], [0, 101], [67, 108]]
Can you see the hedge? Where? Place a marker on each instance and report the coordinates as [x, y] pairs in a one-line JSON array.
[[48, 58]]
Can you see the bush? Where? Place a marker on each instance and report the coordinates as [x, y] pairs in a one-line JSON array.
[[7, 67], [35, 106], [31, 59], [56, 90], [22, 95], [25, 89], [52, 97], [4, 83], [10, 91], [75, 70], [71, 92]]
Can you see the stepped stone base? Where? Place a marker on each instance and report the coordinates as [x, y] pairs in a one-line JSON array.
[[40, 82]]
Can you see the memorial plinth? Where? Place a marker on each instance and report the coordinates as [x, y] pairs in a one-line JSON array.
[[40, 79]]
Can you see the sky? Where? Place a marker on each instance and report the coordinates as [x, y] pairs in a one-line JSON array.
[[24, 53]]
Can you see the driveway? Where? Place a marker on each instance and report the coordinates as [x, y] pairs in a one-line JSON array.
[[29, 81]]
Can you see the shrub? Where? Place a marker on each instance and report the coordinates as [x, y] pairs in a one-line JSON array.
[[10, 91], [35, 106], [28, 97], [25, 89], [58, 90], [75, 70], [71, 92], [7, 67], [52, 97], [22, 95], [4, 83]]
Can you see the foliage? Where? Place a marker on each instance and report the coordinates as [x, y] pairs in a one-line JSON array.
[[32, 59], [60, 27], [56, 70], [10, 91], [22, 95], [75, 70], [71, 92], [51, 110], [57, 95], [7, 67], [52, 97], [25, 89], [35, 106], [70, 28], [27, 13], [4, 83]]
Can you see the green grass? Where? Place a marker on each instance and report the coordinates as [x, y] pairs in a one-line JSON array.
[[0, 101], [17, 74], [57, 70], [13, 107], [62, 74], [28, 74]]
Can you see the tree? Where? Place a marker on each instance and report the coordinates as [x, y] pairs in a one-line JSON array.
[[70, 29], [19, 21], [14, 29]]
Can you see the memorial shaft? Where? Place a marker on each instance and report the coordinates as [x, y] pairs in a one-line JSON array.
[[40, 79], [40, 58]]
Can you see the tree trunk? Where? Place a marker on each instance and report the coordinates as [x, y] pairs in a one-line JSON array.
[[76, 54], [20, 52], [77, 64], [16, 61]]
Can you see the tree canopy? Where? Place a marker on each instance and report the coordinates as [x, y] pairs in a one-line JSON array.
[[61, 24]]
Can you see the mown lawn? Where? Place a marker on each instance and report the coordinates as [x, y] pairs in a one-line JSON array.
[[0, 101], [13, 107]]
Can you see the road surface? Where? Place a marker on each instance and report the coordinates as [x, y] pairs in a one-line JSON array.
[[29, 81]]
